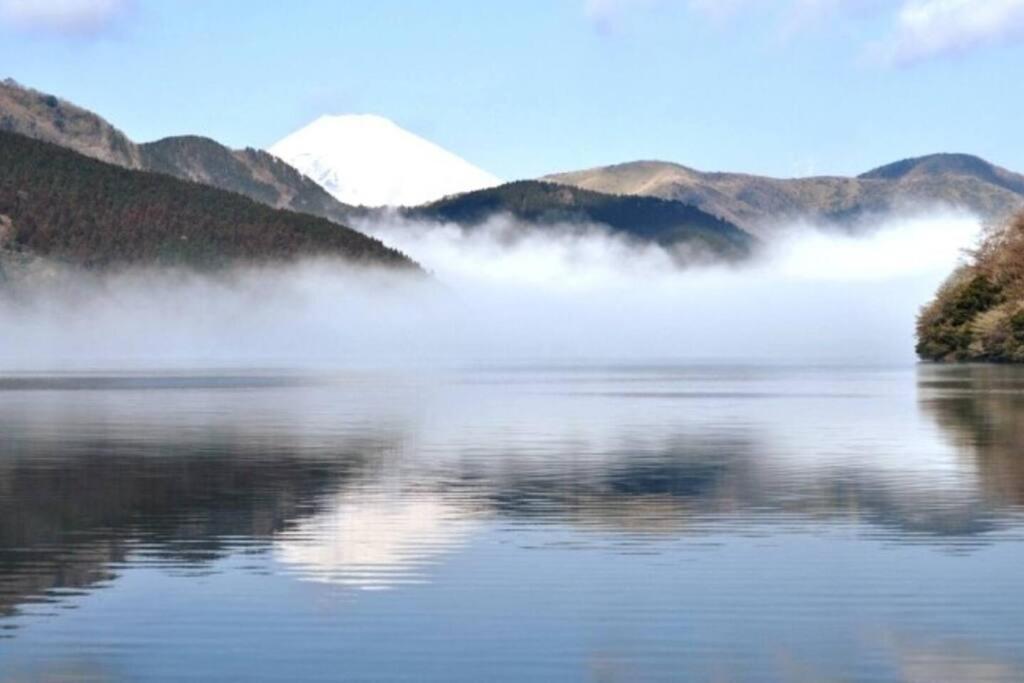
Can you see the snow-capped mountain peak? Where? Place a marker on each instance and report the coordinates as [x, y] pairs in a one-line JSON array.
[[369, 160]]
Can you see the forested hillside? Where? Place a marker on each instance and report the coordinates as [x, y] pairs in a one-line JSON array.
[[668, 223], [252, 172], [61, 204], [978, 313]]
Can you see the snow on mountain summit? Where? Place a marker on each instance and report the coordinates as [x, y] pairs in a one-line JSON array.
[[369, 160]]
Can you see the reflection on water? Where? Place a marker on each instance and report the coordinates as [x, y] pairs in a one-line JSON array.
[[617, 523], [373, 541], [981, 409]]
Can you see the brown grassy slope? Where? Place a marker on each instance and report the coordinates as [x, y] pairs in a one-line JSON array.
[[50, 119], [756, 203]]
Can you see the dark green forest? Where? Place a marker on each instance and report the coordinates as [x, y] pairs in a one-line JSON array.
[[665, 222], [66, 206]]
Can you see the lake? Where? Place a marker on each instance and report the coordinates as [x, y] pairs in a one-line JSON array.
[[606, 523]]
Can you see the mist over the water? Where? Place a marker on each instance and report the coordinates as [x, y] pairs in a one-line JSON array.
[[505, 293]]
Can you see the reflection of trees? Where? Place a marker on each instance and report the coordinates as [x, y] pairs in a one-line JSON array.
[[64, 524], [693, 483], [694, 480], [649, 489], [981, 411]]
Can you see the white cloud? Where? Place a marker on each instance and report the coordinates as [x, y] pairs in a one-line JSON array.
[[927, 29], [63, 17], [912, 30]]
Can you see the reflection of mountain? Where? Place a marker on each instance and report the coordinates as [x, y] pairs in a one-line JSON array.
[[63, 525], [375, 540], [83, 488], [727, 486], [369, 484], [981, 409]]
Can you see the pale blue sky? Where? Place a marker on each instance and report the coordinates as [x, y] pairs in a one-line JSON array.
[[782, 87]]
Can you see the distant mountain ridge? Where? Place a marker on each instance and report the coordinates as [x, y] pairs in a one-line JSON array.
[[269, 180], [369, 151], [368, 160], [682, 228], [966, 165], [250, 172], [758, 203]]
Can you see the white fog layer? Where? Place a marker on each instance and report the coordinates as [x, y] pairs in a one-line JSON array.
[[504, 292]]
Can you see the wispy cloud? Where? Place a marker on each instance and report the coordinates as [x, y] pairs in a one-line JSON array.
[[722, 9], [810, 15], [788, 17], [927, 29], [789, 12], [63, 17], [909, 31], [605, 15]]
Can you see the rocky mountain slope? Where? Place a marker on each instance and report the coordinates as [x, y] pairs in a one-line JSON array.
[[62, 205], [370, 161], [251, 172], [758, 203], [684, 228]]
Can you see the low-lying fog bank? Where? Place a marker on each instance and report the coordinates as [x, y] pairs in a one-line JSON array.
[[503, 293]]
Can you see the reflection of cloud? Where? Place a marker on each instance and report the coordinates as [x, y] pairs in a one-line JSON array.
[[952, 662], [77, 670], [376, 540], [64, 17]]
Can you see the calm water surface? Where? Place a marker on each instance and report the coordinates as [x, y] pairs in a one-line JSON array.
[[588, 523]]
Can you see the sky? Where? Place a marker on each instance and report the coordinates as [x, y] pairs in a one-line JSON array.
[[777, 87]]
